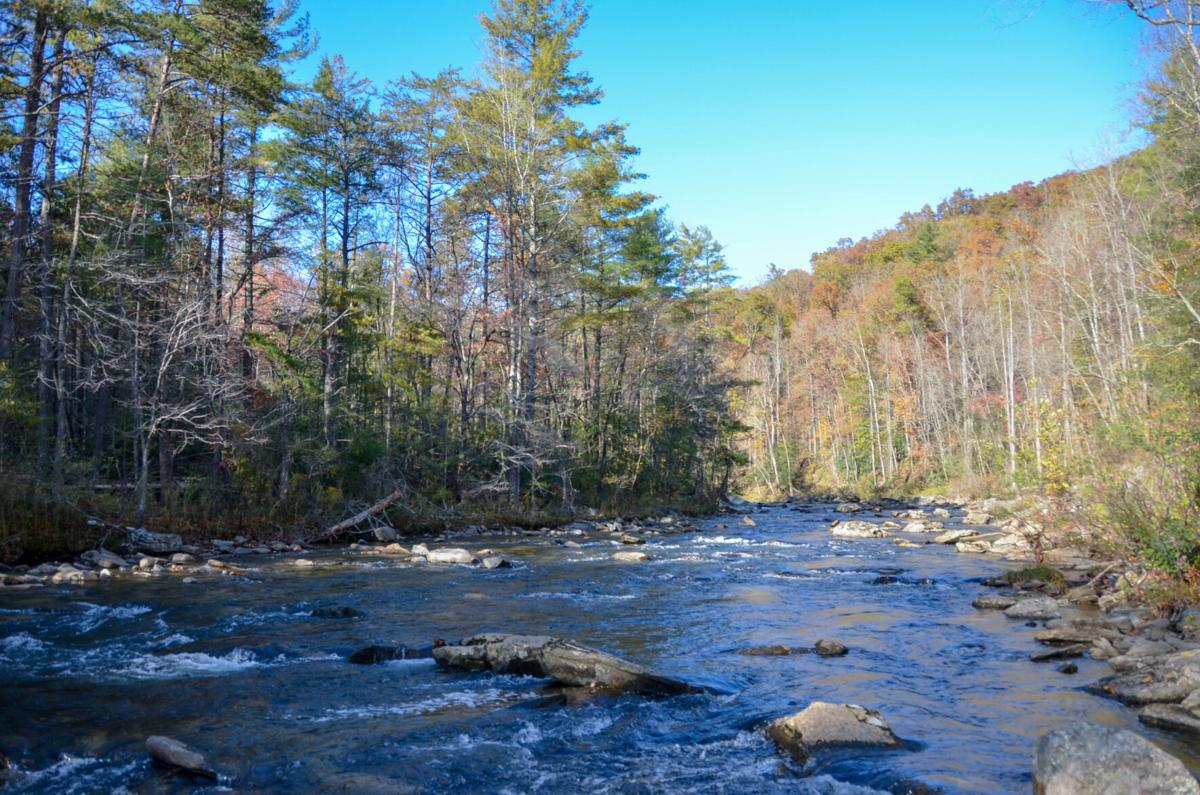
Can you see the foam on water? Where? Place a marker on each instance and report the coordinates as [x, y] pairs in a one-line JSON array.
[[443, 702]]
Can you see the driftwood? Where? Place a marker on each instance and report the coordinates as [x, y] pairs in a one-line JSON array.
[[362, 516]]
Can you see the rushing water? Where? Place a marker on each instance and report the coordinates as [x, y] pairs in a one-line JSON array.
[[237, 667]]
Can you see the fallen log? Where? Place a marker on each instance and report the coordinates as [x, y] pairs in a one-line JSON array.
[[362, 516]]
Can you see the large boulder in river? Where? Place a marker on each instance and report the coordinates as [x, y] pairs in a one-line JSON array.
[[857, 528], [823, 725], [1169, 678], [1089, 759], [450, 555], [565, 661], [173, 754], [142, 540]]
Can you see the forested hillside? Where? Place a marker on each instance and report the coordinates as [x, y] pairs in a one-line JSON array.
[[1044, 340], [236, 301]]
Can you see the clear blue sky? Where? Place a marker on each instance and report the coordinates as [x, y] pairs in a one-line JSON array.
[[784, 125]]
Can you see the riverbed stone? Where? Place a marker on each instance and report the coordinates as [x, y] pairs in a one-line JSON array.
[[304, 563], [1171, 717], [173, 754], [182, 558], [993, 602], [142, 540], [1076, 630], [1036, 608], [776, 650], [104, 559], [385, 534], [451, 555], [631, 557], [495, 562], [375, 654], [830, 648], [1060, 652], [954, 536], [977, 518], [849, 507], [856, 528], [565, 661], [1090, 759], [1169, 678], [823, 725], [337, 612], [631, 539]]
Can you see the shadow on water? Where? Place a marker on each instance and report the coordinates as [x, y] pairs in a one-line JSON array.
[[240, 668]]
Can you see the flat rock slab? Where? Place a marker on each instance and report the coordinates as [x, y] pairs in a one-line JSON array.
[[1169, 716], [1061, 652], [1167, 679], [1089, 759], [993, 602], [171, 753], [823, 725], [857, 528], [1037, 607], [565, 661]]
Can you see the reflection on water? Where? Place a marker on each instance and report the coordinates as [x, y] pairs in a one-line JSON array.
[[240, 668]]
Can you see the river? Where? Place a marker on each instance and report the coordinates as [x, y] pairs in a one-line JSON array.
[[239, 668]]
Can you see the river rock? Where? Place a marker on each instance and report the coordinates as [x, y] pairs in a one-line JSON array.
[[336, 612], [385, 534], [1170, 678], [142, 540], [941, 513], [830, 648], [221, 565], [67, 573], [565, 661], [1036, 608], [631, 557], [495, 562], [1060, 652], [954, 536], [1089, 759], [1171, 717], [857, 529], [420, 549], [768, 651], [849, 507], [365, 782], [104, 559], [822, 725], [174, 754], [451, 555], [182, 558], [629, 538], [993, 602], [746, 520], [1075, 630], [977, 517], [304, 563], [374, 654]]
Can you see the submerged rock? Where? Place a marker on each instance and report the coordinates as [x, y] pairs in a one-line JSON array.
[[565, 661], [174, 754], [375, 654], [337, 612], [769, 651], [631, 557], [993, 602], [1089, 759], [821, 725], [495, 562], [1060, 652], [830, 648]]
